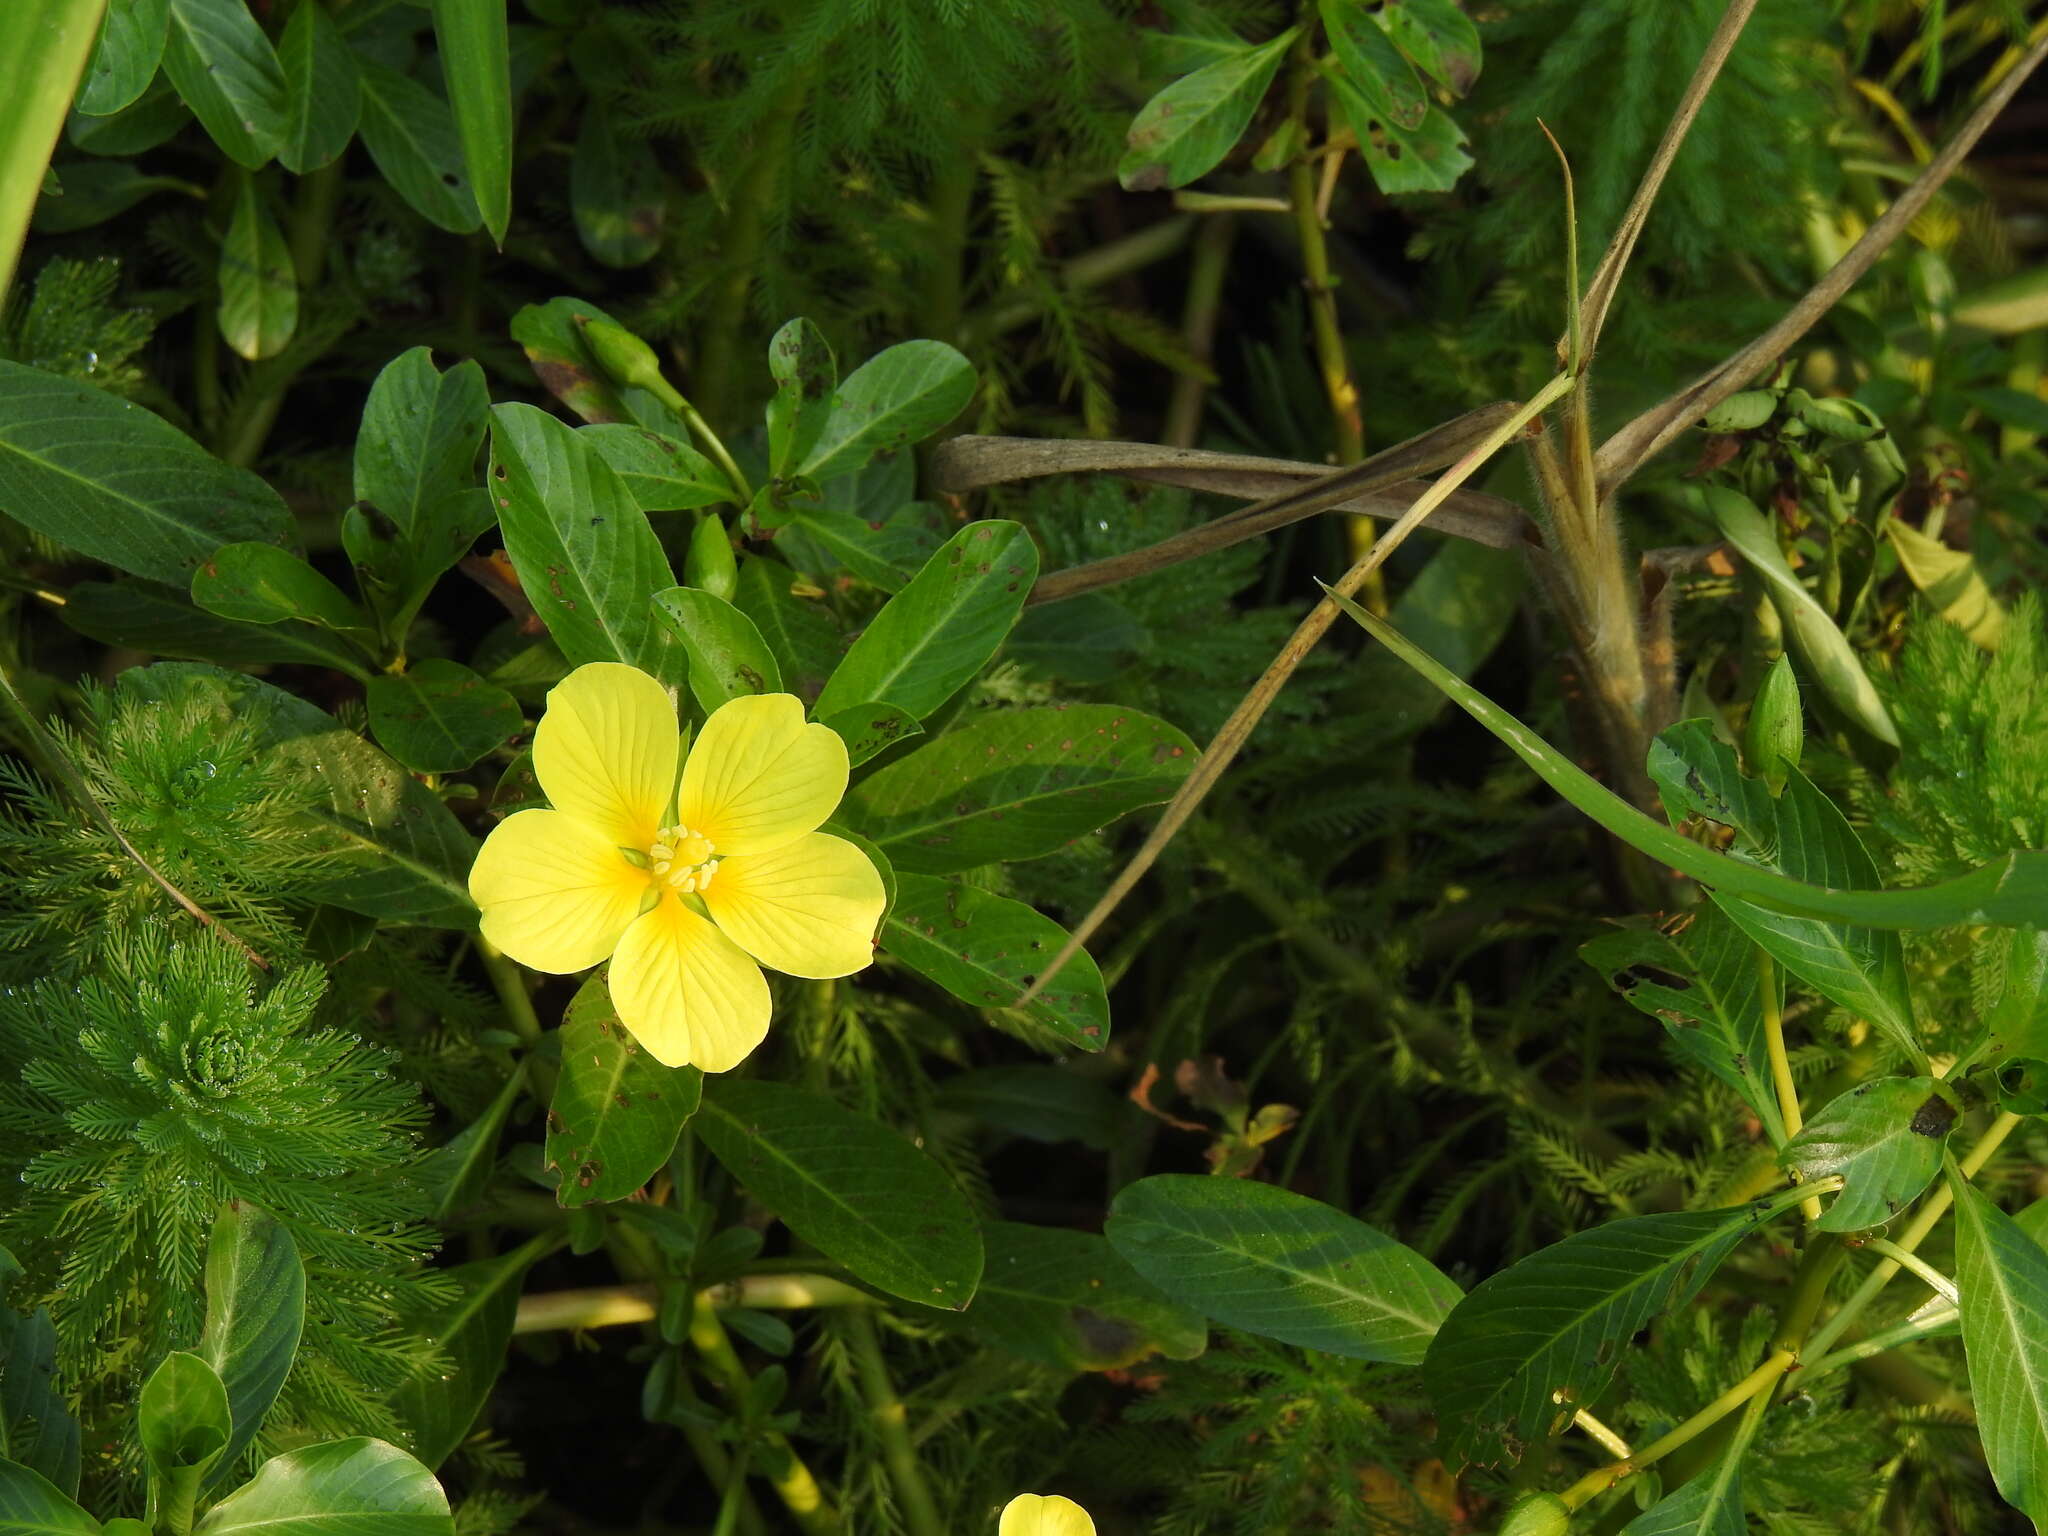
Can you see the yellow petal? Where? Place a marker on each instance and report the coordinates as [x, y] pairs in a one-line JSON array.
[[605, 751], [1032, 1514], [808, 908], [758, 777], [689, 994], [555, 894]]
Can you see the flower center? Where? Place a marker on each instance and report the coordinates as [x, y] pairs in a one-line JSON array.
[[682, 861]]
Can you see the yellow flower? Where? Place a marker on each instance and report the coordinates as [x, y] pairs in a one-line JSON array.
[[684, 881], [1032, 1514]]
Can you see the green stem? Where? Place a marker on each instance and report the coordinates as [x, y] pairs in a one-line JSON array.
[[891, 1421], [1914, 1264], [1757, 1383], [714, 445], [1331, 358], [1881, 1342], [735, 1498], [784, 1469], [1206, 270], [951, 203]]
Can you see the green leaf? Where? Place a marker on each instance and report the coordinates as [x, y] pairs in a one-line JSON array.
[[1037, 1102], [472, 1332], [2010, 892], [1949, 579], [2019, 1019], [224, 67], [1438, 37], [1703, 985], [108, 479], [849, 1186], [2012, 407], [438, 716], [806, 374], [900, 396], [457, 1173], [584, 551], [987, 950], [48, 43], [95, 191], [728, 657], [2002, 1277], [1065, 1300], [1709, 1505], [124, 61], [183, 1422], [410, 133], [255, 1310], [146, 618], [663, 474], [553, 342], [1803, 834], [1824, 654], [885, 554], [871, 729], [383, 843], [935, 635], [154, 117], [259, 308], [617, 192], [617, 1111], [1186, 130], [358, 1487], [799, 632], [1548, 1330], [477, 64], [1088, 638], [1372, 65], [1019, 784], [1885, 1138], [1429, 157], [36, 1424], [31, 1506], [324, 99], [257, 583], [1269, 1261]]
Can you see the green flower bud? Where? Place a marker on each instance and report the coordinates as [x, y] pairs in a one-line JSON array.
[[709, 566], [1775, 733], [628, 359], [1538, 1514]]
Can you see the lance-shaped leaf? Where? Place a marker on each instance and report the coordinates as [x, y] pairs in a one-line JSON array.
[[358, 1487], [2002, 1275], [617, 193], [259, 288], [584, 551], [663, 474], [1803, 834], [476, 62], [886, 554], [223, 65], [1186, 130], [255, 1310], [1438, 37], [324, 90], [1547, 1333], [1372, 64], [935, 635], [987, 950], [848, 1185], [257, 583], [410, 133], [31, 1506], [901, 395], [1703, 985], [114, 482], [1949, 579], [1018, 784], [39, 1431], [183, 1421], [799, 632], [805, 375], [144, 617], [1428, 157], [2009, 892], [125, 59], [1824, 653], [472, 1332], [1885, 1139], [617, 1111], [728, 657], [1269, 1261], [870, 730], [1067, 1301]]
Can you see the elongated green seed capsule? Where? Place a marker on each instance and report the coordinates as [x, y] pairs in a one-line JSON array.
[[709, 566], [1775, 733], [1538, 1514], [628, 359]]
